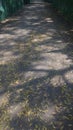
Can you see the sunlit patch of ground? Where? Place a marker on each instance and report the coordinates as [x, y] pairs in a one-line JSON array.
[[57, 81], [69, 76], [55, 61]]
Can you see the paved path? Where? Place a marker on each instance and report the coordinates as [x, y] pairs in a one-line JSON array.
[[37, 1], [36, 71]]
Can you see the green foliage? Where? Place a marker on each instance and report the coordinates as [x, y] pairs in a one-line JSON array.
[[10, 7], [65, 7]]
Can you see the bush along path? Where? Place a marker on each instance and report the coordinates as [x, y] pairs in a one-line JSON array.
[[36, 71]]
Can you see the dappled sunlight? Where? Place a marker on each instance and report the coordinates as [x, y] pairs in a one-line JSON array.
[[55, 61], [57, 81], [10, 49], [21, 32], [41, 38], [36, 72], [8, 57], [33, 75], [50, 47], [16, 109], [49, 20], [69, 76], [30, 18], [16, 83], [4, 99], [47, 113]]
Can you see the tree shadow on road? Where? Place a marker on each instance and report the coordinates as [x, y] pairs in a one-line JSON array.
[[36, 73]]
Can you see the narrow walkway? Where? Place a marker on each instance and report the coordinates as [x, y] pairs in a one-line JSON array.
[[36, 1], [36, 71]]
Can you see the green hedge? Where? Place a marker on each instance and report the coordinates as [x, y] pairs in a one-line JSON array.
[[64, 6], [10, 7]]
